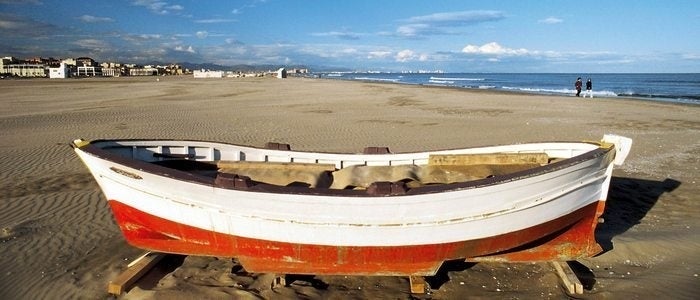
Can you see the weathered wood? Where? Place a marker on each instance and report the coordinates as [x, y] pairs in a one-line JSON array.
[[231, 164], [280, 281], [568, 277], [263, 282], [133, 272], [488, 159], [417, 284], [281, 173]]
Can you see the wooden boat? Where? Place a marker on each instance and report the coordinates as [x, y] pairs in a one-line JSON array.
[[375, 213]]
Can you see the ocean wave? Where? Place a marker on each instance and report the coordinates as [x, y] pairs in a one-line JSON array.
[[688, 99], [456, 78], [681, 88], [377, 79], [561, 91], [441, 81], [668, 96], [538, 90]]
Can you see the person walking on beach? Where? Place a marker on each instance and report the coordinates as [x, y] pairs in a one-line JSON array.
[[589, 88], [578, 85]]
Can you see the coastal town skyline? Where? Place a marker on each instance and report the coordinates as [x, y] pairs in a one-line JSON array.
[[454, 36]]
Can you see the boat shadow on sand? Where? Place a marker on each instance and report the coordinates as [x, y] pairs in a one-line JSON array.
[[629, 200]]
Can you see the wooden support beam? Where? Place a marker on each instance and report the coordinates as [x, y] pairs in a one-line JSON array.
[[568, 278], [133, 272], [280, 281], [417, 284], [264, 282]]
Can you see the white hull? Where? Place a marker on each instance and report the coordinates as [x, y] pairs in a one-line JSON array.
[[487, 208]]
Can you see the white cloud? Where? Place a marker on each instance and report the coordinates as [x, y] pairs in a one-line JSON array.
[[9, 24], [444, 23], [494, 48], [183, 49], [93, 19], [459, 18], [350, 51], [213, 21], [378, 54], [202, 34], [158, 7], [251, 4], [344, 35], [413, 30], [94, 44], [139, 39], [404, 55], [151, 36], [691, 56], [409, 55], [232, 41], [550, 20]]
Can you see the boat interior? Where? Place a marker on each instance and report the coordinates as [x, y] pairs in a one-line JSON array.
[[439, 169]]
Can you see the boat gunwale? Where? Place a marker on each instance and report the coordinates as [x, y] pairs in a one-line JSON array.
[[175, 174]]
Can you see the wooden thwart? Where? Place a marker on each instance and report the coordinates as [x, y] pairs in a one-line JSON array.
[[134, 271], [568, 278], [232, 164], [281, 173], [488, 159]]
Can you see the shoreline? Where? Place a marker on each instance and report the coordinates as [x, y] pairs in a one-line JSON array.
[[682, 101], [694, 100], [59, 237]]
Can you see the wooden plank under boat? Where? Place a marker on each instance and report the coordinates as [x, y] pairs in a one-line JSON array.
[[284, 211]]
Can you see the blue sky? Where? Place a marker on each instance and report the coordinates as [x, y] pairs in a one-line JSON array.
[[401, 35]]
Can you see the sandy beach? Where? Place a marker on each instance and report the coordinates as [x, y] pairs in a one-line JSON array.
[[58, 238]]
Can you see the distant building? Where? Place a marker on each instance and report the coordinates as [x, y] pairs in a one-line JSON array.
[[88, 71], [111, 69], [208, 74], [11, 66], [174, 69], [69, 62], [23, 70], [281, 73], [51, 62], [298, 71], [60, 72], [111, 72], [85, 62], [110, 65], [7, 60], [145, 71]]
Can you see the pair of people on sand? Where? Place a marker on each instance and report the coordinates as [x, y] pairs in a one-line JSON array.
[[589, 88]]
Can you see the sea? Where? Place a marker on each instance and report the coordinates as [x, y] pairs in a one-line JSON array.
[[666, 87]]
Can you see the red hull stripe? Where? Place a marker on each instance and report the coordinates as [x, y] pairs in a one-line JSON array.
[[566, 238]]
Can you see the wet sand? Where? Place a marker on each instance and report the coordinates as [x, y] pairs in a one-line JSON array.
[[58, 238]]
